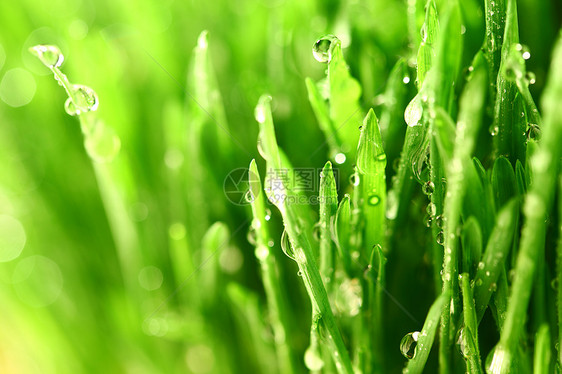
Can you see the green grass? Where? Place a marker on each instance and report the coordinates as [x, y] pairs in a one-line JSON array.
[[401, 211]]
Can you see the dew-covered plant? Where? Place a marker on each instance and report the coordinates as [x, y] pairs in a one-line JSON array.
[[401, 211]]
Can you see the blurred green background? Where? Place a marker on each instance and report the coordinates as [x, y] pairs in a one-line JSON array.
[[182, 301]]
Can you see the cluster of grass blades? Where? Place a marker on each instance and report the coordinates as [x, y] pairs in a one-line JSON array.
[[403, 206]]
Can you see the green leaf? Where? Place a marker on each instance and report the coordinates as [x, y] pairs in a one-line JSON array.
[[503, 182]]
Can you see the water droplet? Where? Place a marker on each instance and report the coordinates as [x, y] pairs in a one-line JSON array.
[[102, 143], [481, 265], [427, 220], [554, 284], [408, 344], [374, 200], [431, 209], [267, 214], [406, 79], [340, 158], [479, 282], [439, 221], [150, 278], [70, 108], [286, 245], [252, 236], [84, 99], [530, 77], [261, 253], [322, 48], [300, 273], [49, 55], [428, 188], [461, 343], [494, 130], [354, 179], [249, 196], [313, 359], [413, 112], [495, 360], [260, 113], [440, 238]]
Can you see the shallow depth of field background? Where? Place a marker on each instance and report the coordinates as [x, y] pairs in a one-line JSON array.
[[64, 305]]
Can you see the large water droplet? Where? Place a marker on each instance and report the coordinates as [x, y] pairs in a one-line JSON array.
[[322, 48], [261, 253], [428, 188], [49, 55], [316, 231], [102, 144], [413, 112], [313, 359], [286, 245], [440, 238], [252, 236], [354, 179], [408, 344]]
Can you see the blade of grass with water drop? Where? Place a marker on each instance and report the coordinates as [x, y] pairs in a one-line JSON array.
[[494, 257], [495, 25], [342, 92], [427, 335], [111, 177], [275, 291], [301, 243], [470, 347], [342, 228], [536, 206], [371, 165], [469, 121], [510, 138], [328, 199]]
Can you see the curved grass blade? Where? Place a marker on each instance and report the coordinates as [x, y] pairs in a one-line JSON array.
[[275, 292], [302, 250], [427, 335]]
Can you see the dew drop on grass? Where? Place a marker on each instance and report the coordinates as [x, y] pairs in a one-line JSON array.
[[439, 221], [322, 48], [252, 236], [428, 188], [102, 144], [261, 253], [286, 245], [530, 77], [374, 200], [440, 238], [431, 209], [267, 214], [313, 359], [461, 343], [427, 220], [494, 130], [354, 179], [408, 344], [413, 112], [49, 55], [495, 360]]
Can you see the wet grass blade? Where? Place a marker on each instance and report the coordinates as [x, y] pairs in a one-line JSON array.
[[302, 251], [427, 335], [469, 333], [536, 206], [275, 291]]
